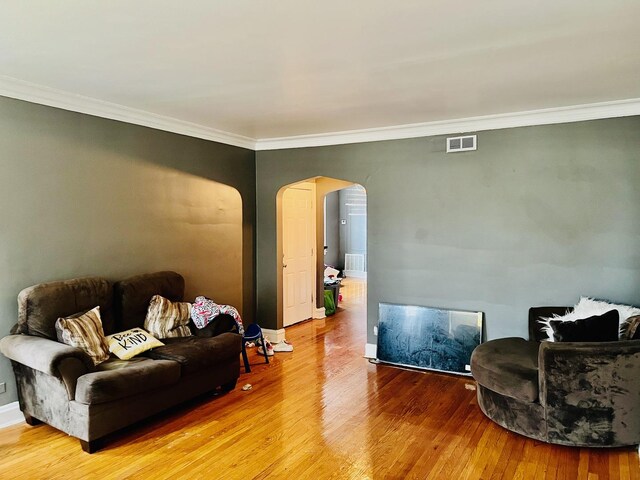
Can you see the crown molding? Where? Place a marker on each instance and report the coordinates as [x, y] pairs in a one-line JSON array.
[[547, 116], [30, 92]]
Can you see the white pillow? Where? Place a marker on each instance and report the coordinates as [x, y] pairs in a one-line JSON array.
[[128, 344], [588, 307]]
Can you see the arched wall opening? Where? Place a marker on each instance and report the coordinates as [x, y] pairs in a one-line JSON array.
[[321, 186], [211, 235]]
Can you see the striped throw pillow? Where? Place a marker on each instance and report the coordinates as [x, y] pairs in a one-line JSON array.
[[167, 319], [84, 331], [632, 328]]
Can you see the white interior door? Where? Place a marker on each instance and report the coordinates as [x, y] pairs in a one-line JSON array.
[[298, 267]]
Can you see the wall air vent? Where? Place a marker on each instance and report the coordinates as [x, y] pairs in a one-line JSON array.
[[462, 144]]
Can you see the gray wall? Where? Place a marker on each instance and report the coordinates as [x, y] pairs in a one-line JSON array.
[[537, 216], [333, 231], [80, 195]]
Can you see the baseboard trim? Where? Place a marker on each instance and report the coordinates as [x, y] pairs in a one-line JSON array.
[[274, 336], [355, 274], [370, 350], [10, 414], [319, 313]]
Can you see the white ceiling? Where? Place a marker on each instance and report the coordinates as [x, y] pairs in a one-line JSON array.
[[281, 68]]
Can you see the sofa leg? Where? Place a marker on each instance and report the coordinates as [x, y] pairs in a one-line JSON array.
[[227, 387], [31, 420], [91, 446]]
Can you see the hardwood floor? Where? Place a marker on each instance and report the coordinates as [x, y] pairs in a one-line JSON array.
[[322, 411]]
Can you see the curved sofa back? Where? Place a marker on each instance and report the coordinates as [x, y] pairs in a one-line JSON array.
[[591, 392], [132, 296], [40, 306], [123, 305]]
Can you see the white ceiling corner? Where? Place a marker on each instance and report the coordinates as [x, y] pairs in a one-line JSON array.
[[21, 90], [302, 73], [548, 116]]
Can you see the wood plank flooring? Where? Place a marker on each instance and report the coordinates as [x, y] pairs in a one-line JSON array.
[[322, 411]]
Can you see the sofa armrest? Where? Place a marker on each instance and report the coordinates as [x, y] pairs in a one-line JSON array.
[[221, 324], [594, 387], [595, 367], [42, 354]]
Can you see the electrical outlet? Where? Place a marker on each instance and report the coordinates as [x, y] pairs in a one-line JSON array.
[[3, 387], [375, 331]]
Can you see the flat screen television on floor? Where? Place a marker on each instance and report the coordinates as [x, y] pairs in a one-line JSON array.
[[428, 338]]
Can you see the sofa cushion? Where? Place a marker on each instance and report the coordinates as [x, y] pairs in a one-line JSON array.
[[40, 306], [597, 328], [196, 353], [537, 330], [167, 319], [132, 295], [126, 345], [508, 366], [118, 379], [588, 307], [84, 331], [633, 328]]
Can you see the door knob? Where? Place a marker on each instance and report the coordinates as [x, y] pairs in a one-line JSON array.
[[284, 265]]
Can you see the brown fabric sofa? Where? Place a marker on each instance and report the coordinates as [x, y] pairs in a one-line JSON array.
[[573, 393], [59, 385]]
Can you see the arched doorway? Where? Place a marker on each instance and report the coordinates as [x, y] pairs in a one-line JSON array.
[[305, 226]]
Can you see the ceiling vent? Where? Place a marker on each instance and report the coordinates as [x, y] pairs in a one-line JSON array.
[[462, 144]]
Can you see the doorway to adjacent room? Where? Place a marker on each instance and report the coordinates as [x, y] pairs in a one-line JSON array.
[[322, 245]]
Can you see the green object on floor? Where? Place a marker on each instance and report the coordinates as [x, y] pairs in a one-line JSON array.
[[329, 304]]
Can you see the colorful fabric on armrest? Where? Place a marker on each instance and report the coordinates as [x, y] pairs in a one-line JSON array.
[[204, 310]]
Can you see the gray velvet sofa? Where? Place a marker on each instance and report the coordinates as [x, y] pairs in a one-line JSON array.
[[59, 385], [574, 393]]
